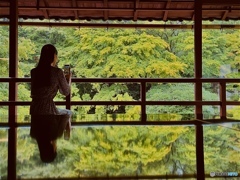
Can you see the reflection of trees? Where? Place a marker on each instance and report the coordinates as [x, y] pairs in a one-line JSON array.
[[150, 150]]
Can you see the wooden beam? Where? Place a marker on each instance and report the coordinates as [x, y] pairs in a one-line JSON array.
[[107, 25], [219, 2], [198, 88], [55, 8], [13, 72]]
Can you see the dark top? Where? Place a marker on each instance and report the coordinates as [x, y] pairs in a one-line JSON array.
[[42, 98]]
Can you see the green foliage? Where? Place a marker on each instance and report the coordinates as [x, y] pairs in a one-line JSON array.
[[113, 53], [219, 147], [4, 42], [4, 52], [3, 154], [176, 92], [4, 91], [127, 53], [26, 49]]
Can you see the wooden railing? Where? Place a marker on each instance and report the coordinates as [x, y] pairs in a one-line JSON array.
[[12, 123], [222, 103]]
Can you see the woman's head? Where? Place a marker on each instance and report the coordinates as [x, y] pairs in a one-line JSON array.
[[47, 59], [48, 56]]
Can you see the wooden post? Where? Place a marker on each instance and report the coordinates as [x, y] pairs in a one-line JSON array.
[[68, 101], [13, 73], [198, 88], [199, 151], [223, 107]]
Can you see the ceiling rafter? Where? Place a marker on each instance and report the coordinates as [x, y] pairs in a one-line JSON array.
[[165, 16], [224, 15], [193, 16], [74, 4], [134, 10], [136, 5], [45, 11], [105, 12]]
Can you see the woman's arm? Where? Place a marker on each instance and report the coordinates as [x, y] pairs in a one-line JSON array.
[[64, 85]]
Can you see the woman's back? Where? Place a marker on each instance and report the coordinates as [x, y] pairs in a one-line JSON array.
[[42, 96]]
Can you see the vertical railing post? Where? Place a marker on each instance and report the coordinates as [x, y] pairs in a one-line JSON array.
[[223, 107], [198, 87], [143, 101], [199, 151], [13, 73], [68, 101], [68, 98], [198, 56]]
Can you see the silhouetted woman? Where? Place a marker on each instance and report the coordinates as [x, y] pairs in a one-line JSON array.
[[47, 121]]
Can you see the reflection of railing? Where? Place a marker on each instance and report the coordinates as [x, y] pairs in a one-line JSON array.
[[198, 103], [170, 176]]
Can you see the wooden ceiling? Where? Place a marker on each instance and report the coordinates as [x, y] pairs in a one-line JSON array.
[[122, 9]]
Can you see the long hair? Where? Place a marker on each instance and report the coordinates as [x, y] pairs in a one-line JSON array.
[[46, 149], [43, 70]]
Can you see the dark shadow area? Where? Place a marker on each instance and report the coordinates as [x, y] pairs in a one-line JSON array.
[[46, 129]]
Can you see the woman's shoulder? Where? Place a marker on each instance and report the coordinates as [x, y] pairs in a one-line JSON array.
[[56, 70], [33, 70]]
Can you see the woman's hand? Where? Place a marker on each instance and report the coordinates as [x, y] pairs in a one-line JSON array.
[[69, 77]]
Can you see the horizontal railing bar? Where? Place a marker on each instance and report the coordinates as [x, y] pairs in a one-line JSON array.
[[145, 103], [186, 176], [135, 80], [163, 123], [88, 103], [138, 123], [229, 103], [124, 123], [25, 103], [4, 125]]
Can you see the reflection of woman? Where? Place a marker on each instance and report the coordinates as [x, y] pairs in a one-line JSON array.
[[46, 81], [46, 129]]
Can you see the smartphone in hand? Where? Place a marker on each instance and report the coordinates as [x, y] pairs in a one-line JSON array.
[[66, 70], [67, 73]]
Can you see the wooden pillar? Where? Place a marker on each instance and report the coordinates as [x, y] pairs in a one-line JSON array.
[[13, 73], [198, 88], [198, 56]]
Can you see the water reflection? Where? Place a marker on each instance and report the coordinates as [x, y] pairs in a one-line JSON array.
[[3, 152], [46, 129], [112, 151]]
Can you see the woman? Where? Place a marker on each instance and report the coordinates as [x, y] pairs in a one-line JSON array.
[[47, 121]]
